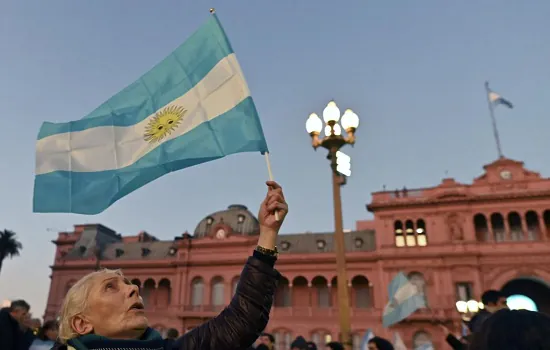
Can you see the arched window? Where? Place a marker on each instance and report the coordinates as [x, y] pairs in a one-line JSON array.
[[481, 228], [361, 292], [410, 239], [356, 341], [533, 228], [282, 294], [421, 338], [282, 339], [147, 291], [300, 292], [421, 234], [217, 298], [497, 224], [320, 338], [320, 285], [514, 222], [546, 219], [197, 292], [417, 279], [164, 293], [398, 233]]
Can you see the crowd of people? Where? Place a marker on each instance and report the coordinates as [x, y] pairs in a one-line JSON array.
[[104, 311]]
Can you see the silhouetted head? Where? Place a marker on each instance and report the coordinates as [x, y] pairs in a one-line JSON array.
[[494, 300], [267, 339], [19, 309], [48, 331], [335, 346], [172, 333], [378, 343], [513, 330]]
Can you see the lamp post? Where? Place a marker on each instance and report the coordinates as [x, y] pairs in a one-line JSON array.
[[340, 165], [467, 309]]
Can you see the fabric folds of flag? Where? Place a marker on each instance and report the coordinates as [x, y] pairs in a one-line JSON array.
[[369, 334], [496, 99], [404, 299], [191, 108]]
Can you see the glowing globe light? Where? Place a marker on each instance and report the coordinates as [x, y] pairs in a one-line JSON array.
[[521, 302]]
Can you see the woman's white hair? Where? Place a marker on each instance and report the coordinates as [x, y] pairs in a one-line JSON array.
[[76, 302]]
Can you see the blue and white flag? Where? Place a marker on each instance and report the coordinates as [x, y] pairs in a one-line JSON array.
[[366, 338], [404, 299], [398, 343], [191, 108], [425, 346], [496, 99]]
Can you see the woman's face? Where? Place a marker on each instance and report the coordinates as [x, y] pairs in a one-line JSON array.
[[115, 309], [51, 334]]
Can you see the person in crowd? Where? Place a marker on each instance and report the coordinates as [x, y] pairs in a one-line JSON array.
[[262, 347], [103, 310], [268, 340], [47, 334], [454, 342], [513, 330], [335, 346], [493, 301], [378, 343], [12, 319], [28, 330], [299, 343], [171, 335], [311, 346]]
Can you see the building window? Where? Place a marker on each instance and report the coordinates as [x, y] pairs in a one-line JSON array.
[[147, 291], [532, 223], [421, 233], [197, 291], [320, 338], [209, 222], [481, 228], [358, 243], [285, 245], [218, 289], [463, 291], [497, 224], [320, 284], [410, 239], [282, 340], [321, 244], [398, 233], [361, 292], [282, 294], [514, 223]]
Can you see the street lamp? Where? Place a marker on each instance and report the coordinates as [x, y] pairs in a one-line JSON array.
[[468, 309], [341, 167]]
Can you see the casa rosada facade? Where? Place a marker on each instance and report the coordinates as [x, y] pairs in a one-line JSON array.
[[453, 240]]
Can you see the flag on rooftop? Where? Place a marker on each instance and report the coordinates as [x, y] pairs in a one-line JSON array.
[[404, 299], [191, 108]]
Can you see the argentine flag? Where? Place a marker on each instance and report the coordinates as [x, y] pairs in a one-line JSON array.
[[366, 338], [191, 108], [495, 99], [404, 299]]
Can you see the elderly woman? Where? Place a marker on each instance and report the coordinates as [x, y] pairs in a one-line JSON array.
[[104, 310]]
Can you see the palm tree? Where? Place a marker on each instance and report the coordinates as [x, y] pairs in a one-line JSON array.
[[9, 246]]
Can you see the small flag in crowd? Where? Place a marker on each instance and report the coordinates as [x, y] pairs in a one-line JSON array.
[[366, 338], [404, 299], [496, 99], [398, 343], [425, 346], [191, 108]]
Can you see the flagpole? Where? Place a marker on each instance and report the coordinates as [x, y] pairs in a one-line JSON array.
[[493, 120], [270, 175]]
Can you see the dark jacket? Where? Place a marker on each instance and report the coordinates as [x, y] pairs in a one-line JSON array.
[[11, 335], [240, 324], [454, 342], [476, 321]]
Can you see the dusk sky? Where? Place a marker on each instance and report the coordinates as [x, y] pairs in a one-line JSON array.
[[412, 70]]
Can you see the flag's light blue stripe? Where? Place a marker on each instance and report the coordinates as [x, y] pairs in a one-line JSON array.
[[238, 130], [168, 80], [403, 310]]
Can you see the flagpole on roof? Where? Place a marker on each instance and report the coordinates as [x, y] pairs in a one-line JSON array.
[[493, 120]]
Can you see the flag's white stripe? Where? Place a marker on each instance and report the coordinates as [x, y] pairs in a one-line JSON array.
[[405, 292], [109, 148], [493, 96]]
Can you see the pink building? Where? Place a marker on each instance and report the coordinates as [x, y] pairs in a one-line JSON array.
[[454, 240]]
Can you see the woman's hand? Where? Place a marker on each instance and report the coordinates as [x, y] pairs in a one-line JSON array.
[[269, 226]]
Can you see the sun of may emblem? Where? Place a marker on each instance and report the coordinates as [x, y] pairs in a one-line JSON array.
[[164, 123]]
